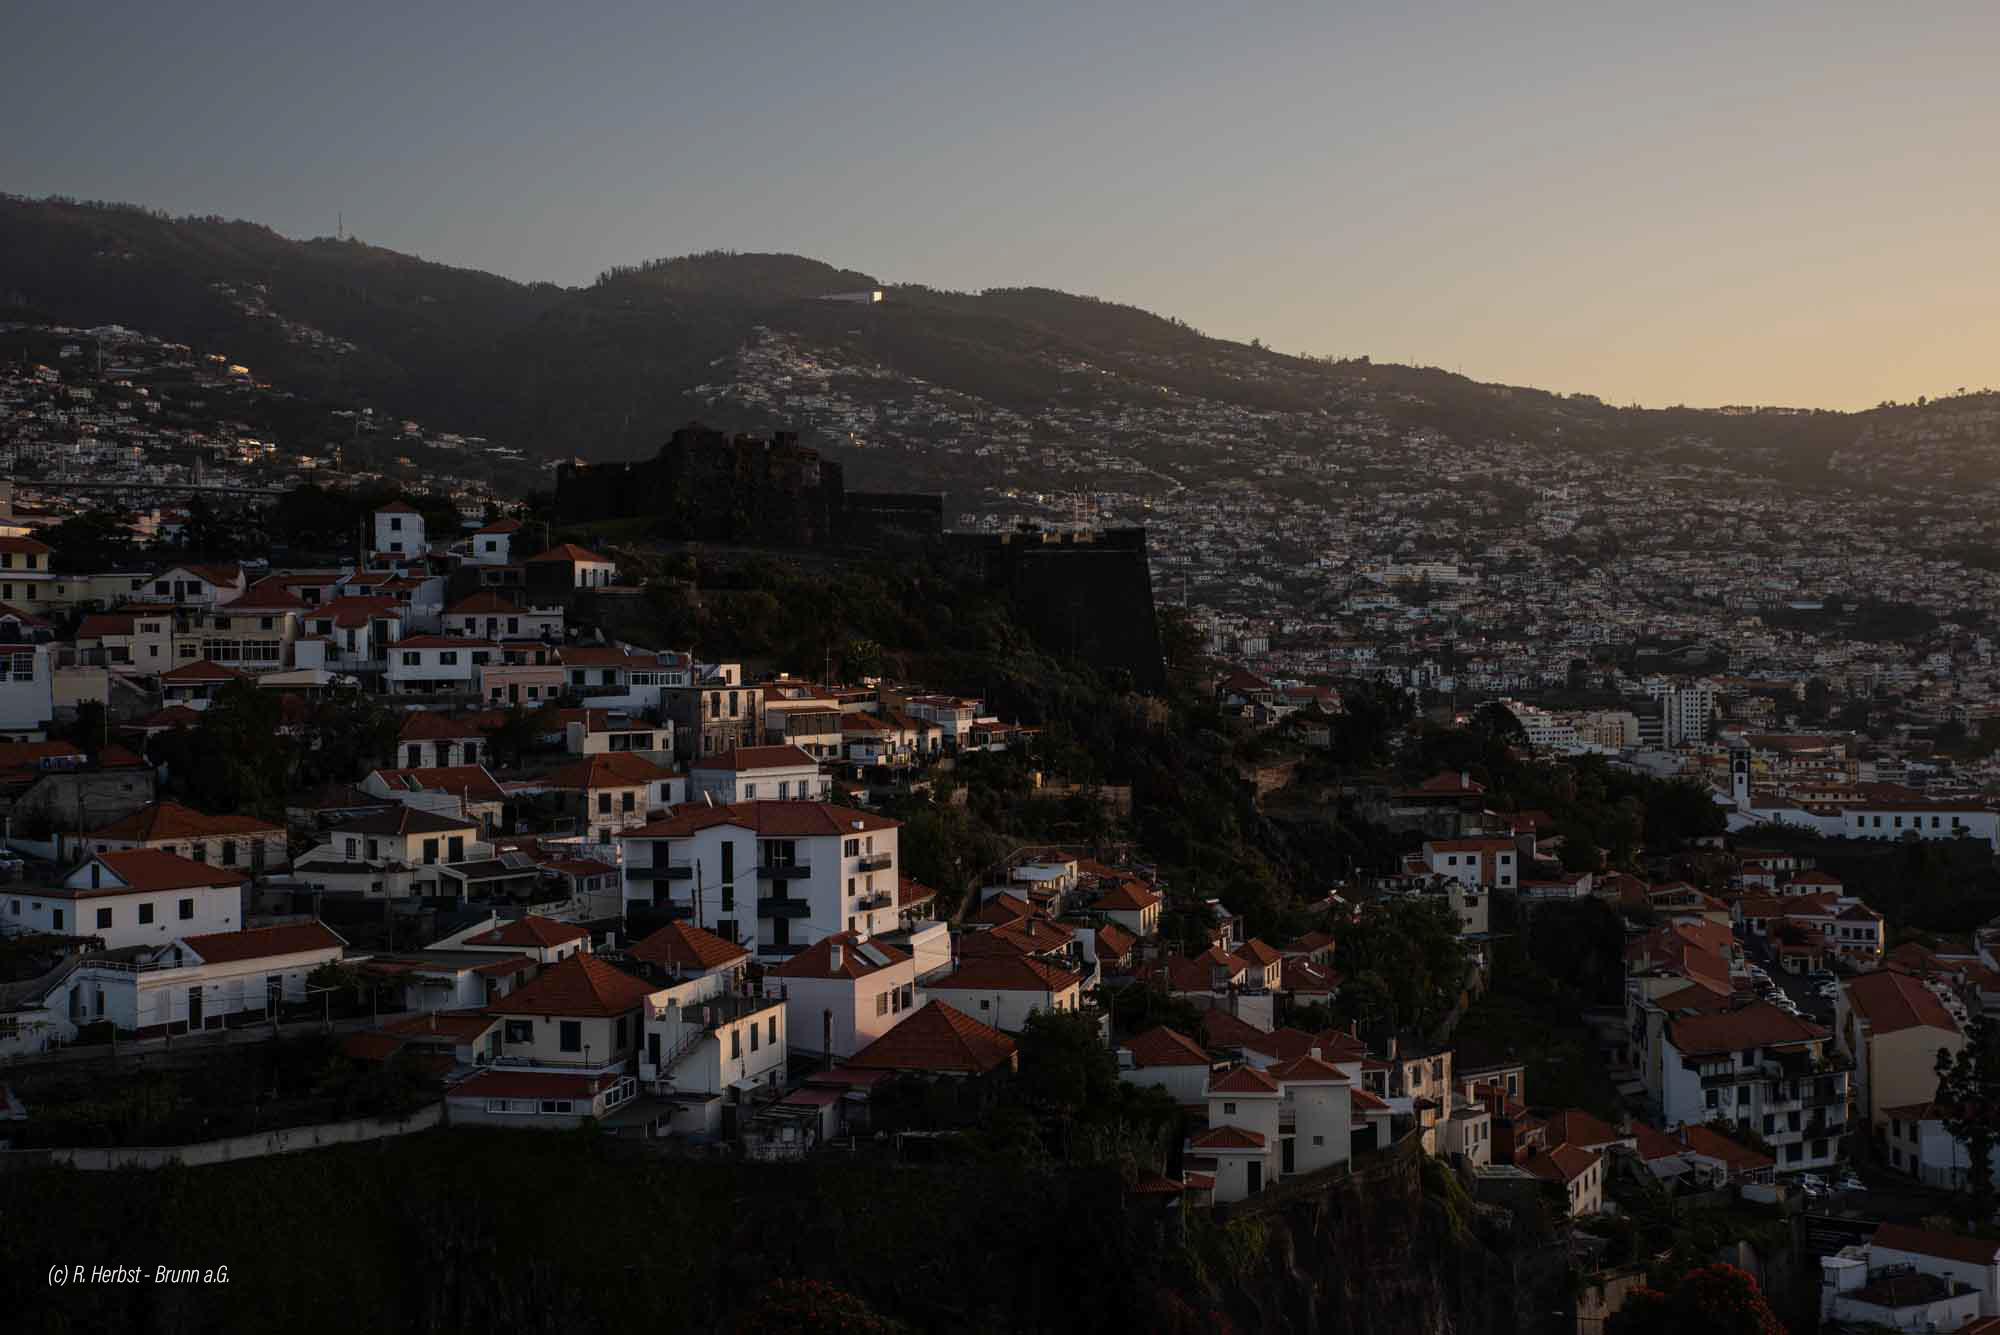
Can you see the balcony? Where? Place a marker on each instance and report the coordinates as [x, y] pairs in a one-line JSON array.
[[881, 899], [769, 906], [784, 871], [876, 861]]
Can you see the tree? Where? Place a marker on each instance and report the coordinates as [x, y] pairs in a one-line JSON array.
[[1968, 1102], [1181, 641], [1715, 1299], [1404, 956], [235, 759], [1064, 1064]]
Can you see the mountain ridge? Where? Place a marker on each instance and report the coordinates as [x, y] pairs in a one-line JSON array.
[[605, 370]]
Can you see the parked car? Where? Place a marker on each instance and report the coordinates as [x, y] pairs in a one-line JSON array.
[[1850, 1183]]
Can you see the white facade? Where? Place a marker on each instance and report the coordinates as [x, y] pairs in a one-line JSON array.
[[27, 692], [841, 1016], [399, 531], [122, 918], [430, 665], [783, 782]]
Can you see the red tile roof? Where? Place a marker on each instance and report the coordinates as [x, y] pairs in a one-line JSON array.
[[815, 961], [1243, 1080], [1573, 1126], [472, 781], [742, 758], [532, 1085], [422, 725], [157, 869], [1564, 1163], [569, 551], [1308, 1070], [171, 820], [199, 671], [1020, 973], [938, 1038], [1754, 1026], [1891, 1002], [1228, 1138], [582, 985], [1127, 896], [607, 770], [1161, 1046], [910, 892], [689, 947], [263, 942]]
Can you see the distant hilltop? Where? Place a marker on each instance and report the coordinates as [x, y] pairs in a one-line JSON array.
[[1010, 385]]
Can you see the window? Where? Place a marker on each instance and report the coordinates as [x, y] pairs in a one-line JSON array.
[[520, 1031], [104, 917], [735, 1043], [774, 1029], [852, 848], [621, 1030], [145, 912], [411, 658], [882, 1003], [228, 852], [187, 909], [604, 804], [448, 658], [1228, 1110], [430, 852], [56, 919], [569, 1035], [750, 792], [199, 852], [753, 1038]]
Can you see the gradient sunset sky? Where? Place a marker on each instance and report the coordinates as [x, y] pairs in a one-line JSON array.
[[1743, 203]]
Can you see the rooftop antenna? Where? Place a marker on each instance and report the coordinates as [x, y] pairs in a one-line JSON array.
[[340, 226]]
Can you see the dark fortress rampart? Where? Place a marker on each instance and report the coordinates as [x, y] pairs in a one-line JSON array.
[[1088, 595]]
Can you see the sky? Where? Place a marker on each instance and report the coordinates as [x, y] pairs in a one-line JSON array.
[[1693, 203]]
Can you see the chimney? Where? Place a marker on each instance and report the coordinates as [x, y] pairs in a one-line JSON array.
[[1315, 1052], [1465, 778], [833, 957]]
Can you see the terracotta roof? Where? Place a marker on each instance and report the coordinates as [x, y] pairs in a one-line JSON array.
[[1308, 1069], [569, 551], [428, 724], [99, 624], [1130, 896], [529, 930], [938, 1038], [459, 1026], [1740, 1158], [1003, 910], [1891, 1002], [397, 508], [262, 942], [1242, 1080], [441, 642], [816, 960], [157, 869], [582, 985], [1161, 1046], [1564, 1163], [1114, 942], [1228, 1138], [687, 946], [201, 670], [1930, 1242], [1021, 973], [1224, 1030], [1654, 1143], [171, 820], [909, 892], [771, 819], [498, 526], [1573, 1126], [1758, 1025], [532, 1085], [1255, 952], [1363, 1101], [607, 770], [742, 758], [18, 546]]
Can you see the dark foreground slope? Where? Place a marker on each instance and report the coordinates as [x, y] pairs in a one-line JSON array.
[[527, 1233]]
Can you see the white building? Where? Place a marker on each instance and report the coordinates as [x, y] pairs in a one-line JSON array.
[[801, 871], [437, 664], [194, 982], [399, 530], [1763, 1070], [141, 897], [758, 773], [843, 993], [1003, 991]]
